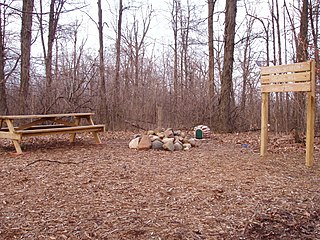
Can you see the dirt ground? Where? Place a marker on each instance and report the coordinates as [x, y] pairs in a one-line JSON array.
[[221, 189]]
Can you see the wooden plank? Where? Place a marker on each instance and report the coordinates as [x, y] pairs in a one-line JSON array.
[[31, 124], [265, 79], [313, 78], [290, 77], [294, 67], [17, 146], [9, 135], [289, 87], [73, 135], [16, 143], [77, 129], [264, 124], [293, 77], [310, 129], [46, 115]]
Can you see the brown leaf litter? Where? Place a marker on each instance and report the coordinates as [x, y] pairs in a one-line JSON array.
[[219, 190]]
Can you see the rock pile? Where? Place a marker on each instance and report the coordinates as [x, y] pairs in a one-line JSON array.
[[163, 140]]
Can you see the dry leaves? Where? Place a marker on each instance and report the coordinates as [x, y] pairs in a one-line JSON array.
[[219, 190]]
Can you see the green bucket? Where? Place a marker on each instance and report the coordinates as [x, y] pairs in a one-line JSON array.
[[199, 134]]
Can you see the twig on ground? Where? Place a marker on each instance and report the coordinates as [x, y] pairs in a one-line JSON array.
[[51, 161]]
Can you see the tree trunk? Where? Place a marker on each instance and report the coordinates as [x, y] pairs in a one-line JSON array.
[[302, 55], [26, 35], [175, 12], [116, 99], [102, 83], [226, 81], [54, 15], [3, 95], [211, 86]]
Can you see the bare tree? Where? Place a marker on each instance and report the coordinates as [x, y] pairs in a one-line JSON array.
[[55, 10], [102, 85], [26, 35], [116, 92], [226, 81], [211, 85], [302, 55], [3, 94], [176, 5]]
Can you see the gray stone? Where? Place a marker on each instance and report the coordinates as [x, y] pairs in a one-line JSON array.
[[168, 133], [178, 146], [150, 132], [157, 145], [144, 143], [177, 133], [154, 137], [165, 140], [186, 146], [168, 146], [134, 143], [160, 135], [137, 136]]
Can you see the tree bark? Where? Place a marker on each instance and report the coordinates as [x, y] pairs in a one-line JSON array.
[[226, 81], [302, 55], [102, 83], [211, 85], [3, 95], [26, 35], [54, 15], [116, 98]]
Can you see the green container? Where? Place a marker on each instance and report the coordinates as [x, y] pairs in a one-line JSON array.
[[199, 134]]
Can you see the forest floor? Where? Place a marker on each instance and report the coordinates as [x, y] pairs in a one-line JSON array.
[[221, 189]]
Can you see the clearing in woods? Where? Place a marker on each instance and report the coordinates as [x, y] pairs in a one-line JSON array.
[[219, 190]]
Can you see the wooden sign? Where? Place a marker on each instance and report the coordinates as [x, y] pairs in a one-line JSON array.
[[296, 77]]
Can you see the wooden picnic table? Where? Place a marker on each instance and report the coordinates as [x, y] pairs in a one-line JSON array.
[[15, 127]]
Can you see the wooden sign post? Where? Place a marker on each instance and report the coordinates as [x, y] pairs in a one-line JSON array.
[[296, 77]]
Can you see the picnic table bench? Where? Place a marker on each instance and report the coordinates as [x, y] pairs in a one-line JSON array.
[[18, 126]]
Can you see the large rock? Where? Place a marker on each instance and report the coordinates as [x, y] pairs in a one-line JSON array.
[[178, 146], [165, 140], [168, 133], [154, 137], [157, 145], [160, 134], [168, 146], [145, 143], [150, 132], [133, 144], [186, 146]]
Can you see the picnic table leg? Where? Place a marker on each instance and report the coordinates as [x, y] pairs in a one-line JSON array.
[[95, 134], [15, 142], [73, 135], [17, 146]]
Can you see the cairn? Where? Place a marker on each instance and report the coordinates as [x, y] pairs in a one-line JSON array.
[[168, 140]]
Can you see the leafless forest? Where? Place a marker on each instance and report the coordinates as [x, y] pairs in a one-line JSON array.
[[206, 71]]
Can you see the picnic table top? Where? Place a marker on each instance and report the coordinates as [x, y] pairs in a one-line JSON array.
[[45, 115]]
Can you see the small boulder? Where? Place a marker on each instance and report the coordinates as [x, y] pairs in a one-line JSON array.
[[168, 133], [150, 132], [186, 146], [160, 134], [168, 146], [153, 138], [165, 140], [144, 143], [178, 146], [157, 145], [133, 144]]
